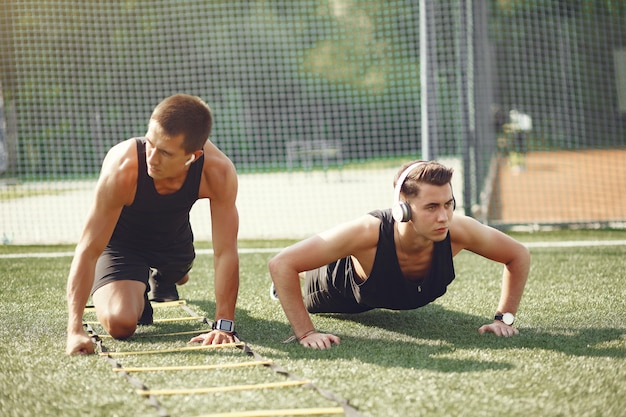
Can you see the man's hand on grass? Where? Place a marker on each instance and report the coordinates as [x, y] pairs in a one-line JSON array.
[[318, 340], [214, 337], [79, 343], [499, 329]]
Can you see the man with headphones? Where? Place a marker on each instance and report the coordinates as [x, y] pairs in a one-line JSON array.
[[137, 235], [399, 258]]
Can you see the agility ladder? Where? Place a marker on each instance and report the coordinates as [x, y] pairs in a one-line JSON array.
[[152, 394]]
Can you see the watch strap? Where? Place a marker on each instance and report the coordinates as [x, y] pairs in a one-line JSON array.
[[506, 318]]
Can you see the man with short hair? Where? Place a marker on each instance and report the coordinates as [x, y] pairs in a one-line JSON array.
[[138, 229], [399, 258]]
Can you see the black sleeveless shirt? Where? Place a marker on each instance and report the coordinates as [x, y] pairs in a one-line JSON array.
[[154, 222], [386, 287]]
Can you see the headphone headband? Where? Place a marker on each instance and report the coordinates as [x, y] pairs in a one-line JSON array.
[[402, 178]]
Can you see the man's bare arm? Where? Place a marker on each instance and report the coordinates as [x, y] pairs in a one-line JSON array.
[[469, 234], [113, 190], [220, 185], [312, 253]]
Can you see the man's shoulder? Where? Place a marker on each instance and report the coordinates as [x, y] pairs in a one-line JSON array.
[[216, 157], [219, 175], [120, 163], [123, 150], [465, 231], [217, 164]]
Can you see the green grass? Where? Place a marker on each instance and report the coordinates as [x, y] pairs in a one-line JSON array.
[[569, 359], [19, 192]]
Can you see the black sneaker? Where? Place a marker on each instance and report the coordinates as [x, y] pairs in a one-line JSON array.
[[147, 315], [162, 292]]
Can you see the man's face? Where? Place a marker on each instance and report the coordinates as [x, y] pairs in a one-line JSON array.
[[432, 211], [165, 155]]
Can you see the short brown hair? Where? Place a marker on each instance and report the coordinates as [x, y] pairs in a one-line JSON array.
[[427, 172], [187, 115]]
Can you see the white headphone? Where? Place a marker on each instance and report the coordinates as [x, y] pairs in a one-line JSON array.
[[401, 211], [193, 158]]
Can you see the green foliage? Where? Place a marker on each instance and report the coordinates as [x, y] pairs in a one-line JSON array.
[[82, 76]]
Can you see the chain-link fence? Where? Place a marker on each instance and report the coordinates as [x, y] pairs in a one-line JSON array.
[[513, 90]]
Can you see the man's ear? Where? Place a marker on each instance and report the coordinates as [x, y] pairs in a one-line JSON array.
[[193, 157]]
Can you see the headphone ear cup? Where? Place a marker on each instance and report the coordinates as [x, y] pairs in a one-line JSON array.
[[401, 212]]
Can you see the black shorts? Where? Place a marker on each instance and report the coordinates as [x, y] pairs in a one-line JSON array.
[[331, 289], [116, 264]]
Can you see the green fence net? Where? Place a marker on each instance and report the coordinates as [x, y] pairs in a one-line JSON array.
[[318, 102]]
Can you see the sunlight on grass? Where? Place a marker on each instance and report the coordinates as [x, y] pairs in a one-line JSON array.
[[569, 359], [15, 192]]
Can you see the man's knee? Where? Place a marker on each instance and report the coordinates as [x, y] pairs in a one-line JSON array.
[[119, 325], [119, 305]]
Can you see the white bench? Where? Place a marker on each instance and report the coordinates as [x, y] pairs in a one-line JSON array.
[[304, 153]]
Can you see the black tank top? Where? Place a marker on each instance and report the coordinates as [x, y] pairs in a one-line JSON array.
[[155, 222], [386, 287]]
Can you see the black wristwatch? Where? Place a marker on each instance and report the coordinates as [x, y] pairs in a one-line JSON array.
[[224, 325], [506, 318]]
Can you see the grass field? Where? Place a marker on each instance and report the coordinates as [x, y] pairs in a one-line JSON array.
[[569, 359]]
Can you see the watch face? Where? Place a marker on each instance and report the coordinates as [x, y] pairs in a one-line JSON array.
[[508, 318], [225, 325]]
